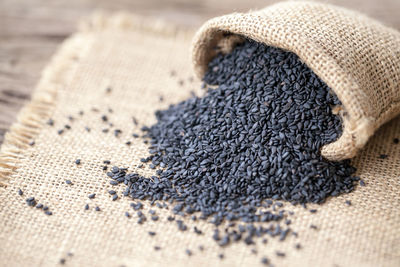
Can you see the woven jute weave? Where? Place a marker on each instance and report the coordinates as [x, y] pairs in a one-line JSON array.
[[135, 58], [356, 56]]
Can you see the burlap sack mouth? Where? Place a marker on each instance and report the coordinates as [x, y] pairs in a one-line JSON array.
[[356, 56]]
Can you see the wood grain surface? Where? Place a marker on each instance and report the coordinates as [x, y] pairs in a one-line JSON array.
[[31, 30]]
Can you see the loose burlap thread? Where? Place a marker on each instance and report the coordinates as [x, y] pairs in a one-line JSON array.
[[135, 58], [356, 56]]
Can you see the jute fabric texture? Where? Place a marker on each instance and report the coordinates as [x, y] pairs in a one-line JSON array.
[[356, 56], [135, 58]]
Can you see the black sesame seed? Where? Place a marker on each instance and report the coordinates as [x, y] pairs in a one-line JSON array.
[[45, 208], [31, 143], [117, 132], [78, 161], [362, 183], [197, 231], [280, 254], [50, 122], [313, 210], [112, 182], [157, 248], [383, 156], [68, 182], [20, 192], [114, 197], [221, 256], [298, 246], [154, 218], [97, 208], [86, 206], [348, 202], [39, 206], [48, 212], [152, 233], [60, 132], [127, 214], [112, 192], [312, 226], [91, 196], [396, 140], [62, 261], [188, 252], [265, 261], [253, 139]]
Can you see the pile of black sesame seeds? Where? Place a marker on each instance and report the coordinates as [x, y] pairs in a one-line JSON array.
[[253, 138]]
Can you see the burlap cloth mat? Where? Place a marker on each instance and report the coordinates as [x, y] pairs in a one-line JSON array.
[[135, 58]]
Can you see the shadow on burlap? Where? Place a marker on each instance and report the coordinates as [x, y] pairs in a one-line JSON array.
[[135, 58]]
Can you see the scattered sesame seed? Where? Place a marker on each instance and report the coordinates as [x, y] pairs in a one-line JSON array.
[[188, 252], [265, 261], [280, 254]]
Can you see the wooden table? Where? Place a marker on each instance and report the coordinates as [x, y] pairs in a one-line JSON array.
[[31, 30]]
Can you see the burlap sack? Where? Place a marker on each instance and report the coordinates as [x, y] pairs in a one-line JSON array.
[[356, 56], [135, 58]]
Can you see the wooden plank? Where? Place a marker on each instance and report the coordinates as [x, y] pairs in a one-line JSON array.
[[31, 30]]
